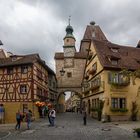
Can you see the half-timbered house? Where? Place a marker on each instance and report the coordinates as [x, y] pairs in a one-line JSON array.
[[23, 80]]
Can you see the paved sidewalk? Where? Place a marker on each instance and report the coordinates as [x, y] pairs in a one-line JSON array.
[[69, 126], [128, 125]]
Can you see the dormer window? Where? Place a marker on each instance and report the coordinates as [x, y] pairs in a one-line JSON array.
[[114, 61], [14, 58], [115, 50]]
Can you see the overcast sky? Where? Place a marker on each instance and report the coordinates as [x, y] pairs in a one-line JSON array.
[[38, 26]]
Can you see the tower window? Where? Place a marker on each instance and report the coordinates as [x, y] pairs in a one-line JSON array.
[[69, 74], [67, 40]]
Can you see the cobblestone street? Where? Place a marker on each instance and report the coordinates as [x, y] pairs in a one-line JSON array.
[[69, 126]]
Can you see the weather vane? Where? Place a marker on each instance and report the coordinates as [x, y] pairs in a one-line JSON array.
[[69, 19]]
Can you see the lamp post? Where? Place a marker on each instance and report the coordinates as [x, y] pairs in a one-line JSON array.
[[61, 105], [62, 72]]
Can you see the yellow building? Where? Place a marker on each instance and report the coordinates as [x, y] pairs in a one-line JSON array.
[[23, 80], [75, 102], [108, 92]]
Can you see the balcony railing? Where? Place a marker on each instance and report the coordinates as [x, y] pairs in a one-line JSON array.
[[118, 79], [122, 82], [86, 87], [95, 84]]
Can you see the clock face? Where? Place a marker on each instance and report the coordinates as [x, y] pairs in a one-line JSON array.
[[68, 62], [68, 52]]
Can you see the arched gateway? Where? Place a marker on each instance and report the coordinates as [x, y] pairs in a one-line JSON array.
[[70, 66]]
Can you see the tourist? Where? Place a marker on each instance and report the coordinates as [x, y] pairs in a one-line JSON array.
[[52, 116], [18, 119], [28, 118], [85, 117]]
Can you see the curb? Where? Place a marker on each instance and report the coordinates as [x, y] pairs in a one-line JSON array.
[[6, 135]]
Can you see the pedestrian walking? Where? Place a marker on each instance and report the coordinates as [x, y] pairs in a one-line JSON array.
[[85, 117], [52, 116], [49, 116], [18, 119], [28, 118]]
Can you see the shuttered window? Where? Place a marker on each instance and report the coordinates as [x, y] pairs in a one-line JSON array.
[[118, 103]]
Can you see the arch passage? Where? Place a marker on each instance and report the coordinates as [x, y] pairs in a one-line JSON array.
[[61, 98]]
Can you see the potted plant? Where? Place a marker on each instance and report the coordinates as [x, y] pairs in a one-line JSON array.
[[137, 130]]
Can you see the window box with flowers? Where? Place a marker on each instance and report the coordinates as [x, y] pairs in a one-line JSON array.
[[118, 79], [95, 84], [119, 109], [93, 69]]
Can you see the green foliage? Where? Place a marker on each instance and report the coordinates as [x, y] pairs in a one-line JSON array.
[[134, 74], [137, 130], [134, 111], [119, 109]]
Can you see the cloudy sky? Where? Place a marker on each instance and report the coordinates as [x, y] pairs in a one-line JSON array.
[[38, 26]]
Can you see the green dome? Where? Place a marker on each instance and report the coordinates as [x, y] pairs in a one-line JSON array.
[[69, 31]]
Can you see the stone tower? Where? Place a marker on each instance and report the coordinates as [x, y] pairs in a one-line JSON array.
[[70, 66]]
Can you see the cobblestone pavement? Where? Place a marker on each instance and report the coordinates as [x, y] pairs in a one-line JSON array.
[[69, 126]]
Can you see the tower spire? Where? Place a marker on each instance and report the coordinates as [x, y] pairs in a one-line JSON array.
[[69, 20]]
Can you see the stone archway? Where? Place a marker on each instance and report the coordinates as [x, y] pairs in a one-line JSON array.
[[61, 97]]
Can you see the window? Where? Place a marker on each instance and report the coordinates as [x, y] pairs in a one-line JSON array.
[[114, 50], [24, 69], [14, 58], [69, 74], [23, 88], [94, 66], [39, 91], [67, 40], [114, 62], [25, 108], [118, 103], [50, 82], [10, 71], [118, 78], [95, 103], [39, 74], [46, 79]]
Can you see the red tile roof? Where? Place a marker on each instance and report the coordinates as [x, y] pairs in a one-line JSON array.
[[128, 57], [23, 60], [99, 35]]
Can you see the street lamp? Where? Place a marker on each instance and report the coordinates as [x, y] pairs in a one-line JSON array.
[[62, 72]]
